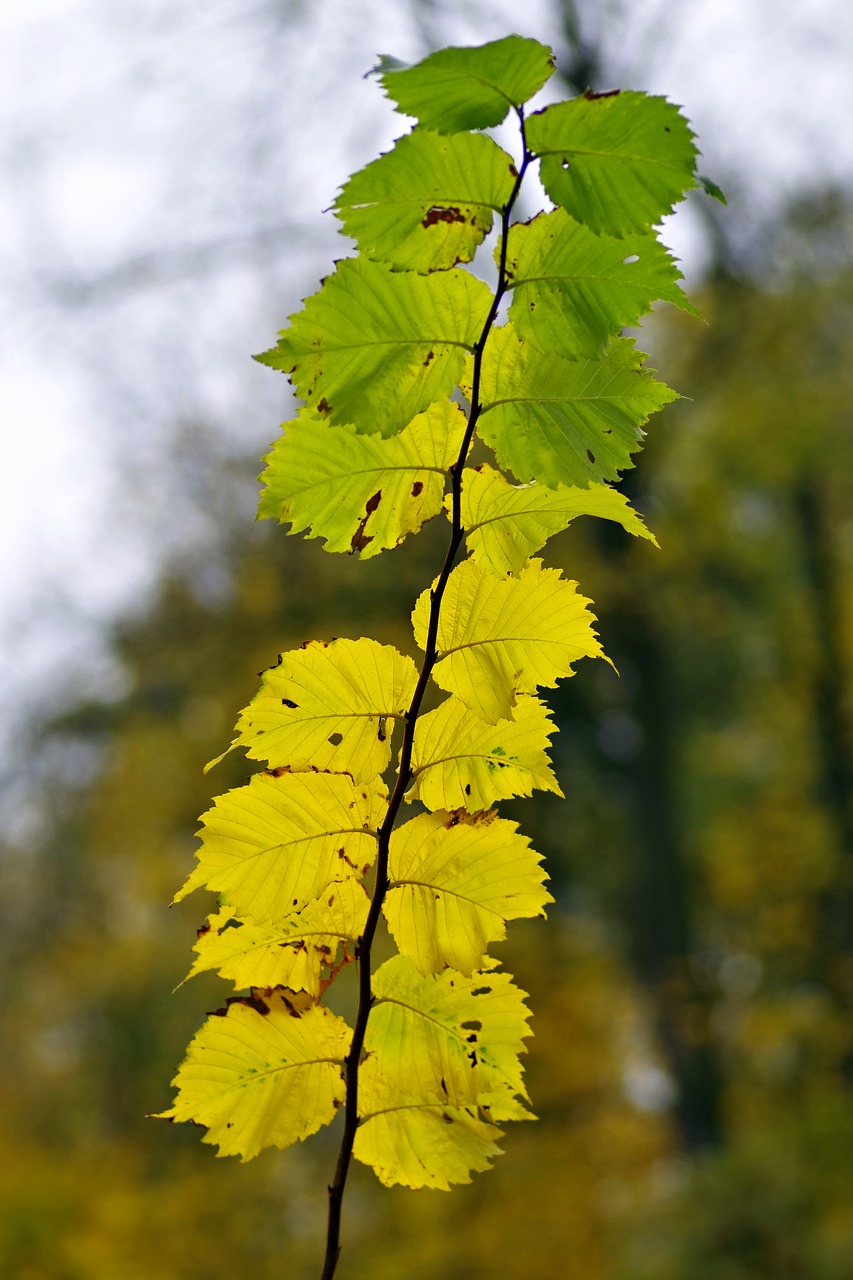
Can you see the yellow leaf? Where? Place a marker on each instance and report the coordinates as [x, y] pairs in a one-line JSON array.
[[459, 761], [260, 1077], [447, 1038], [289, 953], [280, 841], [455, 881], [361, 492], [498, 638], [504, 523], [415, 1143], [329, 706]]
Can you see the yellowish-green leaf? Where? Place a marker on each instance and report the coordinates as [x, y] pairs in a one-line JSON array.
[[428, 203], [451, 1038], [504, 523], [291, 952], [468, 88], [259, 1077], [460, 761], [455, 881], [499, 637], [574, 290], [361, 493], [280, 841], [329, 706], [565, 421], [416, 1144], [375, 346], [617, 162]]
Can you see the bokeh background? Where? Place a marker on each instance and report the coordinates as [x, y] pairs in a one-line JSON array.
[[164, 165]]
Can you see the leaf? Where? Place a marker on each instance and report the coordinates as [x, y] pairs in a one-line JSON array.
[[375, 347], [499, 637], [504, 523], [429, 202], [574, 290], [290, 952], [455, 881], [447, 1038], [459, 761], [280, 841], [565, 421], [469, 88], [415, 1143], [329, 706], [360, 492], [710, 187], [259, 1077], [617, 162]]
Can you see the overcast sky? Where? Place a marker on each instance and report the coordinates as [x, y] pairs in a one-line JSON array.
[[163, 167]]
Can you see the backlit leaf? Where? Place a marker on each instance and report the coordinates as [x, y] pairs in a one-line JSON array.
[[565, 421], [329, 706], [260, 1077], [460, 761], [429, 202], [469, 88], [375, 347], [413, 1143], [505, 523], [617, 162], [280, 841], [455, 881], [360, 492], [574, 290], [449, 1037], [499, 637], [290, 952]]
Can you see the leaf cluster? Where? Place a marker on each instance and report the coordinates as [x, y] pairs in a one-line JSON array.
[[370, 808]]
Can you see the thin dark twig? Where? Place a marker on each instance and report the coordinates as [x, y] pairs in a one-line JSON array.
[[404, 774]]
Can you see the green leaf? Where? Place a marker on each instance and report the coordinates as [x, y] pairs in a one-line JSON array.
[[291, 952], [259, 1077], [375, 347], [617, 162], [565, 421], [455, 881], [459, 761], [574, 290], [504, 523], [329, 706], [469, 88], [280, 841], [429, 202], [449, 1038], [360, 492], [499, 637], [710, 187], [413, 1143]]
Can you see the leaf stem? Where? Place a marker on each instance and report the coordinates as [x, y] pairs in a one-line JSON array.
[[404, 774]]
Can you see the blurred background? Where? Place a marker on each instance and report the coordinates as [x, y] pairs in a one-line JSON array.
[[163, 167]]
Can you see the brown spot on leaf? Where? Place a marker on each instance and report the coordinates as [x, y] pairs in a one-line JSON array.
[[359, 539], [335, 739], [481, 991], [430, 356], [417, 489], [205, 928], [441, 213], [606, 93], [323, 405], [591, 456]]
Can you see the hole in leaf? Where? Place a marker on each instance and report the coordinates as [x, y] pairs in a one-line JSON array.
[[335, 739], [632, 257]]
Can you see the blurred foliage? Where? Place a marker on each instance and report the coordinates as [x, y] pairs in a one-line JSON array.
[[699, 957]]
